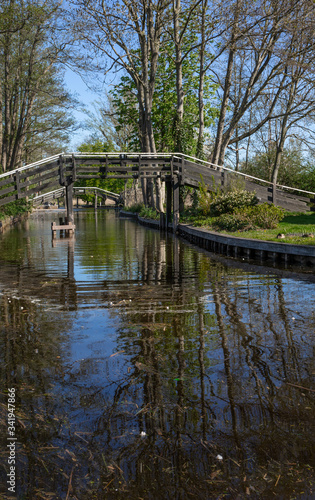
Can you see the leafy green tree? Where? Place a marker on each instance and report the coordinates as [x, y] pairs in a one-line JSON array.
[[292, 170], [31, 90], [51, 122], [164, 108], [96, 145]]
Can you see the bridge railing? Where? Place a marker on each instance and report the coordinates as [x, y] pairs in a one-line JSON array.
[[29, 180], [59, 170], [59, 193]]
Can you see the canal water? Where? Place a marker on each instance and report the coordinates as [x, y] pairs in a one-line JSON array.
[[146, 368]]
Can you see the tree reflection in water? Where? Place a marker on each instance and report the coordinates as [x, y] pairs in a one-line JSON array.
[[145, 369]]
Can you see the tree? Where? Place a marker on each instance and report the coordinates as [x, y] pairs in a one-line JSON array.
[[51, 121], [262, 39], [115, 120], [95, 145], [29, 61], [128, 34], [292, 169], [122, 113]]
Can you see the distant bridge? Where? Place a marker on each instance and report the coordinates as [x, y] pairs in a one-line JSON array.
[[77, 190], [63, 170]]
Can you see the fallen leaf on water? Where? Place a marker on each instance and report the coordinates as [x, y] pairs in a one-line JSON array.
[[115, 353]]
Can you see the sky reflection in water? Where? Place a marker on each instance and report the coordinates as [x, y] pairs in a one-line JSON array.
[[145, 369]]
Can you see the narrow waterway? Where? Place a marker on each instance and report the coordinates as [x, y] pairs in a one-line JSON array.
[[145, 368]]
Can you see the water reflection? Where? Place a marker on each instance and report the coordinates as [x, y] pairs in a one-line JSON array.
[[145, 369]]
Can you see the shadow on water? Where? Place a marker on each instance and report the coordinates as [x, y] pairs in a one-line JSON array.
[[144, 369]]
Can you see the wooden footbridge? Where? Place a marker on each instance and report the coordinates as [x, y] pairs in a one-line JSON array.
[[60, 173], [39, 199]]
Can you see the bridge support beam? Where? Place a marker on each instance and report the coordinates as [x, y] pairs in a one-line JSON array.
[[175, 202], [168, 187], [69, 203]]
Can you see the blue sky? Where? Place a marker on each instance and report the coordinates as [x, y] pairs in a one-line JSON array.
[[86, 97]]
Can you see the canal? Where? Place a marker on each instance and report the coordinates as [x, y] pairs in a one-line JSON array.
[[142, 367]]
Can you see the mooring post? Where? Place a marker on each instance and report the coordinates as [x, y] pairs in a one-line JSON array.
[[95, 200]]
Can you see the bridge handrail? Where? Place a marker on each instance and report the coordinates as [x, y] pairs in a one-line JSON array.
[[98, 189], [32, 165], [247, 176], [156, 155], [62, 190], [195, 160]]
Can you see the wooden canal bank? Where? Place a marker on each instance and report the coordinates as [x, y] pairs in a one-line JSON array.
[[240, 248], [251, 249]]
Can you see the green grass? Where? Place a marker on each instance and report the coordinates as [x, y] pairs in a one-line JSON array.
[[294, 226]]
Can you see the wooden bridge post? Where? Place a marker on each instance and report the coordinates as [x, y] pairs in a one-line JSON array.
[[224, 178], [17, 184], [168, 187], [69, 203], [175, 201], [274, 193]]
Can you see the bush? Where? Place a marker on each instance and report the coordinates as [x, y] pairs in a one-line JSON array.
[[238, 221], [135, 208], [148, 213], [15, 208], [266, 216], [206, 196], [227, 203], [260, 216]]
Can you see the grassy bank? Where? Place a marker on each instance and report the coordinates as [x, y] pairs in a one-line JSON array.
[[297, 228], [294, 228]]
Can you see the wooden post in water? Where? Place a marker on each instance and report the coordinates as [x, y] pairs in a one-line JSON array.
[[95, 200]]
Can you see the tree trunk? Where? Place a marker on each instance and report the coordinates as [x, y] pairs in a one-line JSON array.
[[201, 106], [217, 153], [179, 77]]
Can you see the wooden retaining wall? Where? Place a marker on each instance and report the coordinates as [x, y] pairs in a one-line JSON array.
[[237, 247], [262, 251]]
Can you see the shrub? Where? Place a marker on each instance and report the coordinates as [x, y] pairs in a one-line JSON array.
[[244, 219], [238, 221], [206, 196], [266, 216], [235, 182], [135, 208], [148, 213], [229, 202], [15, 208]]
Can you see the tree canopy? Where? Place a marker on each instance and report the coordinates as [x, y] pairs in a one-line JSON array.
[[202, 77], [34, 104]]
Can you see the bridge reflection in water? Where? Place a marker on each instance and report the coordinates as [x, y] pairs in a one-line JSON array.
[[144, 368]]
